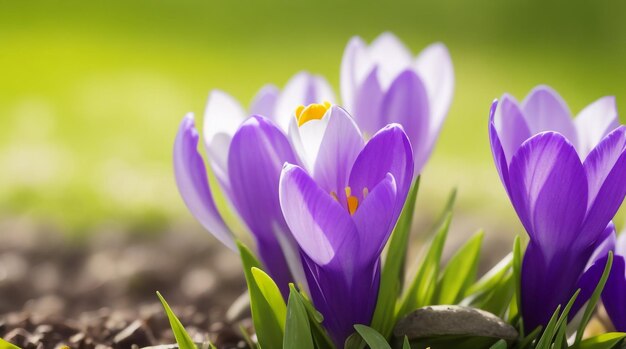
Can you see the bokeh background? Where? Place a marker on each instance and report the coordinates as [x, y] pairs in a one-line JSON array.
[[91, 93]]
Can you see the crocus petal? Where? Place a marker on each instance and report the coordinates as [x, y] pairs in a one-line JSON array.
[[307, 138], [594, 122], [192, 183], [548, 189], [406, 102], [620, 245], [390, 55], [344, 298], [222, 116], [595, 267], [264, 102], [496, 148], [613, 295], [350, 63], [341, 144], [511, 126], [367, 103], [434, 66], [389, 151], [256, 157], [548, 282], [374, 219], [322, 227], [545, 110], [605, 167], [302, 89]]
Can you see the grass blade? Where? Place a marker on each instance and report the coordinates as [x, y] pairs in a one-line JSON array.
[[501, 344], [604, 341], [182, 337], [391, 278], [460, 272], [422, 289], [374, 339], [517, 274], [406, 344], [297, 328], [269, 328], [591, 305]]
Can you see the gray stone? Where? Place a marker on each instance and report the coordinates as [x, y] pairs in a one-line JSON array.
[[447, 320]]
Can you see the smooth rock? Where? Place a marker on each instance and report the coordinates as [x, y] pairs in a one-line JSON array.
[[446, 320]]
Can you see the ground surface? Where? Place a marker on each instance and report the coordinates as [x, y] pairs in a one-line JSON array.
[[100, 292]]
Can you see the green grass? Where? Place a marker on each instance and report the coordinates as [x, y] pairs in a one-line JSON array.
[[91, 93]]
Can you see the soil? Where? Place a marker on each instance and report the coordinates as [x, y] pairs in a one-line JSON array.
[[99, 291]]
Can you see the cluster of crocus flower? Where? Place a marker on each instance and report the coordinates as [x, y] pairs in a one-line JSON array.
[[565, 179], [321, 185], [342, 181]]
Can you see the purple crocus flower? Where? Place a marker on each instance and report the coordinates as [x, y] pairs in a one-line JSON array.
[[341, 207], [383, 83], [247, 156], [614, 294], [565, 179]]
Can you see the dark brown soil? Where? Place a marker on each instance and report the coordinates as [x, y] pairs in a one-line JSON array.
[[99, 292]]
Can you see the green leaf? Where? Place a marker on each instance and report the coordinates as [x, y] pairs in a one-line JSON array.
[[269, 328], [6, 345], [603, 341], [501, 344], [460, 272], [553, 326], [392, 273], [422, 289], [182, 337], [591, 305], [406, 344], [561, 336], [494, 291], [525, 342], [374, 339], [517, 274], [272, 294], [320, 337], [297, 328]]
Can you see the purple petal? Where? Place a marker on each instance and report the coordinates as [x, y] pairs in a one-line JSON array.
[[545, 110], [255, 160], [620, 244], [511, 126], [367, 104], [496, 149], [390, 54], [406, 103], [375, 218], [345, 297], [389, 151], [594, 122], [548, 189], [435, 68], [192, 183], [613, 295], [352, 55], [322, 227], [341, 144], [595, 267], [264, 103], [606, 169], [548, 282], [222, 116]]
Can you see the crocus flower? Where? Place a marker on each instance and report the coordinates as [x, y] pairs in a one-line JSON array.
[[341, 207], [614, 293], [247, 156], [383, 83], [565, 179]]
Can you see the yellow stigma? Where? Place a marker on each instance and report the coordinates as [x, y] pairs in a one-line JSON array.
[[313, 111], [353, 201]]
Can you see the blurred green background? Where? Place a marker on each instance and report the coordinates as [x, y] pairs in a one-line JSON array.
[[91, 92]]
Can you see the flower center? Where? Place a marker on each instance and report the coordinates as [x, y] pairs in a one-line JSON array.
[[352, 202], [314, 111]]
